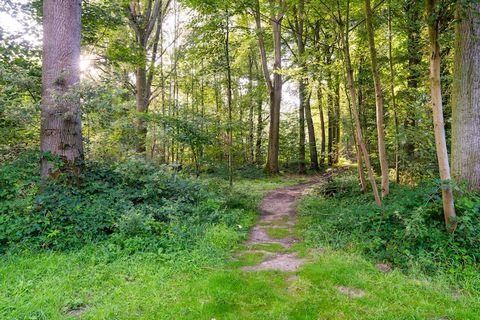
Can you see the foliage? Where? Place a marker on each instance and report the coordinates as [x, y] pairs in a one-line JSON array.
[[407, 231], [135, 205]]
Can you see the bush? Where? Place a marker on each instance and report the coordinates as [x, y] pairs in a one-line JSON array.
[[407, 231], [135, 205]]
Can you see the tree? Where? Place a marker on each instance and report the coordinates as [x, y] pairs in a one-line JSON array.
[[274, 86], [61, 129], [382, 152], [466, 95], [434, 11], [344, 32], [145, 20]]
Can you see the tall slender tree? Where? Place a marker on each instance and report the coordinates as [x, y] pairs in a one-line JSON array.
[[274, 86], [382, 150], [344, 27], [434, 11]]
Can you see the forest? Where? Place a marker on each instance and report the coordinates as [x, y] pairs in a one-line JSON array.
[[247, 159]]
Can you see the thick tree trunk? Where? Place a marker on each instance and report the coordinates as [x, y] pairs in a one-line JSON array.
[[438, 123], [61, 130], [466, 96], [322, 125], [382, 151], [301, 127], [349, 71]]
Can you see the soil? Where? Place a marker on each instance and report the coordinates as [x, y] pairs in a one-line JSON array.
[[278, 212]]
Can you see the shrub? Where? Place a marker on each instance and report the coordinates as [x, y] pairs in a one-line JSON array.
[[135, 205], [407, 231]]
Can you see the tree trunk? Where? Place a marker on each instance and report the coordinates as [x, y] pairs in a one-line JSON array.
[[275, 86], [415, 50], [142, 97], [301, 128], [312, 143], [229, 99], [382, 151], [251, 125], [336, 128], [438, 123], [392, 92], [322, 125], [61, 130], [466, 96], [349, 71]]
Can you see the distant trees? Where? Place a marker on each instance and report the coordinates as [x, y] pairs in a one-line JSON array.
[[201, 88], [61, 129]]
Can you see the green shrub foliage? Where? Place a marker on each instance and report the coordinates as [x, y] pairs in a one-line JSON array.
[[408, 231], [135, 205]]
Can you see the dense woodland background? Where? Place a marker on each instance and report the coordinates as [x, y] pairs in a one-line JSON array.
[[131, 123]]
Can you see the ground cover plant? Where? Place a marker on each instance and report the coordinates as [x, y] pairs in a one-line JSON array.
[[408, 231]]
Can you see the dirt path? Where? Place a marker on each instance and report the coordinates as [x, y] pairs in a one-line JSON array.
[[273, 236]]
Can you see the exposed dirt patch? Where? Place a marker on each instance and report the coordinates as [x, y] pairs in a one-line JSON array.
[[351, 292], [384, 267], [277, 213], [78, 311], [288, 262]]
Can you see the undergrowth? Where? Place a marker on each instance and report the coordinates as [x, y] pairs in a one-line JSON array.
[[408, 231], [128, 207]]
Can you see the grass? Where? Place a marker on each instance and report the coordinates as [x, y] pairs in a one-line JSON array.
[[92, 284], [276, 232], [50, 286]]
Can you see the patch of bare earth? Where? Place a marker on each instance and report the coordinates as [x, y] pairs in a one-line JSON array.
[[351, 292], [278, 211]]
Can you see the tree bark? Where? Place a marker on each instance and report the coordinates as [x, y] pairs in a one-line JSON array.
[[229, 99], [61, 130], [438, 123], [322, 125], [312, 143], [251, 126], [466, 96], [413, 24], [392, 92], [382, 151], [301, 128]]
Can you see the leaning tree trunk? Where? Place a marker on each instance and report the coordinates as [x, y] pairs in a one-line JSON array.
[[466, 96], [349, 71], [61, 130], [382, 151], [438, 123]]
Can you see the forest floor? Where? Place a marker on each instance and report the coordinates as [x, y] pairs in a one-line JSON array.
[[273, 275]]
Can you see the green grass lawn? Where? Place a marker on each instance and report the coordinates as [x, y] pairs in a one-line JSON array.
[[94, 284]]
